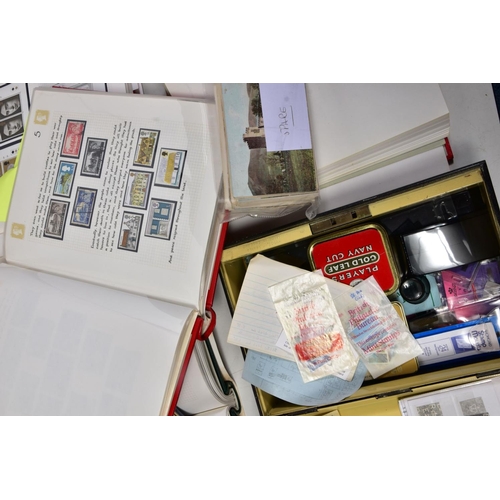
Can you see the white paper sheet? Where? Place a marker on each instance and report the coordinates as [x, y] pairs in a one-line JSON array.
[[69, 348], [255, 322]]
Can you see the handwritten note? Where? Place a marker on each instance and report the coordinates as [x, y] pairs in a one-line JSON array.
[[286, 120]]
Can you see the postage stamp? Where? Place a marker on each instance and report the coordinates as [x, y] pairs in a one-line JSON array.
[[138, 187], [84, 207], [41, 117], [94, 157], [130, 231], [170, 167], [73, 138], [65, 178], [56, 219], [160, 217], [17, 230], [147, 141]]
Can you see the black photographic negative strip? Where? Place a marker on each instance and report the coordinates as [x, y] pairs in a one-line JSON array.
[[64, 179], [130, 231], [138, 187], [56, 219], [14, 109], [11, 127], [93, 160], [10, 106], [147, 141], [84, 207]]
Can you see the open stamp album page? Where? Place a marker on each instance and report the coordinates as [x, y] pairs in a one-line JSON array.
[[119, 190]]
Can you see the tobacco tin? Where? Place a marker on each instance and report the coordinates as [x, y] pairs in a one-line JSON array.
[[354, 255]]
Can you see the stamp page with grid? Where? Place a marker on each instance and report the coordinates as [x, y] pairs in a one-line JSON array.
[[118, 190]]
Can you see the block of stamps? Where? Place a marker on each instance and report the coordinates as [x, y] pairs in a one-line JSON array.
[[65, 178], [145, 150], [130, 230], [93, 160], [56, 219], [160, 218], [83, 207], [430, 410], [138, 187], [170, 167], [73, 138]]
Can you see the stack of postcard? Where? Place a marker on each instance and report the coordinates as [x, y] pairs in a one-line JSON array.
[[268, 161]]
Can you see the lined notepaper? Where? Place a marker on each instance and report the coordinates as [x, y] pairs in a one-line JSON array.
[[255, 322]]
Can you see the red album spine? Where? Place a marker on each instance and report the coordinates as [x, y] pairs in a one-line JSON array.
[[448, 150], [201, 332]]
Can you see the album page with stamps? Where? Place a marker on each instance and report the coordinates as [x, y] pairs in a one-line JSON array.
[[119, 190], [117, 205]]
